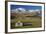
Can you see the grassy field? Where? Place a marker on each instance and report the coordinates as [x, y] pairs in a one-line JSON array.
[[36, 22]]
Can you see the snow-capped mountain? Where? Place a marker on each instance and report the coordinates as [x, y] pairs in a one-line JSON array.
[[19, 10], [24, 11]]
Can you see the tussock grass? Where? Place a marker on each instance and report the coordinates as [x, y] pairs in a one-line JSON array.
[[36, 22]]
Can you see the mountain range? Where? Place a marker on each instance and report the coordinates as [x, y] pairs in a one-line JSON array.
[[24, 11]]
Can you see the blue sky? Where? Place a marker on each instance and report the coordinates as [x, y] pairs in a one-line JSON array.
[[27, 7]]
